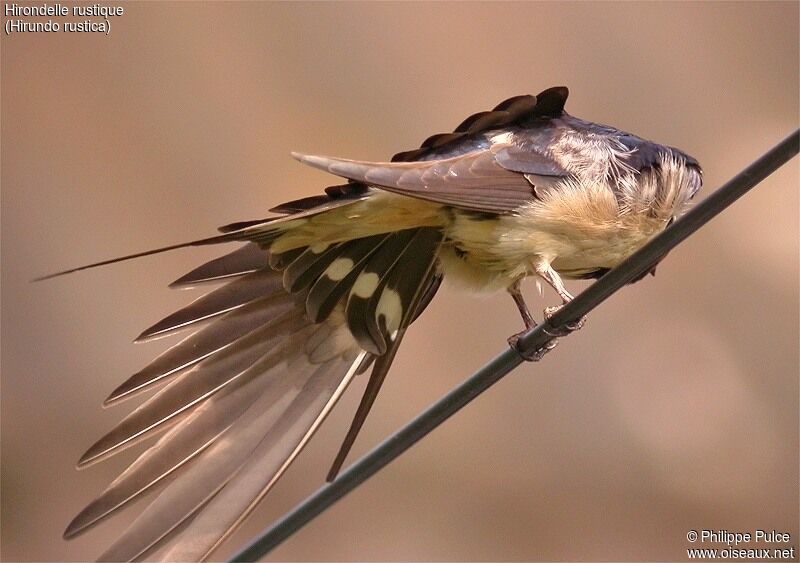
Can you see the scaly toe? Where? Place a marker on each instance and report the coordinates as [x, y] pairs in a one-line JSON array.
[[567, 328], [550, 311], [534, 356], [577, 325]]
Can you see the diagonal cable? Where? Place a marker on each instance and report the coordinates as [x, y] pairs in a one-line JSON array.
[[636, 265]]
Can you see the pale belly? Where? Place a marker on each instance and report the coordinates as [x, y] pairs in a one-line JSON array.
[[491, 254]]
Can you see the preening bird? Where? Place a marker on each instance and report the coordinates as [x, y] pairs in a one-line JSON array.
[[326, 288]]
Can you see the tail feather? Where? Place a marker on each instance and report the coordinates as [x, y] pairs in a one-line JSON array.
[[414, 280], [262, 232], [301, 272], [376, 379], [200, 242], [363, 297], [340, 275], [383, 305], [336, 272]]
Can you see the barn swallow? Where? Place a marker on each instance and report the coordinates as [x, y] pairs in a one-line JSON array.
[[325, 289]]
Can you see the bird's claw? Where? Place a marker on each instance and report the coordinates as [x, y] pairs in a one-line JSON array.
[[534, 356], [567, 328]]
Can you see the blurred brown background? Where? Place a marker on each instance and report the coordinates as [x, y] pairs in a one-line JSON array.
[[676, 408]]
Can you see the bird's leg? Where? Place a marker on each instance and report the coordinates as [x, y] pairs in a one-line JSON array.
[[516, 294], [527, 318], [549, 275]]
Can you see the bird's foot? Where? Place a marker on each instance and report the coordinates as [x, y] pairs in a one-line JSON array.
[[534, 356], [567, 328]]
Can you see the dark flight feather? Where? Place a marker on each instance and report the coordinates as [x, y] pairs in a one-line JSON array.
[[306, 268], [339, 276], [366, 289], [230, 476], [349, 191], [249, 258], [282, 260], [202, 344], [411, 279], [230, 296], [513, 111], [189, 389]]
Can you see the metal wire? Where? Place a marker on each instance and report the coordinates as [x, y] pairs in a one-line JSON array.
[[636, 265]]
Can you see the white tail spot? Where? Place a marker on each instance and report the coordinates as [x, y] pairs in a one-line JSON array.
[[391, 308], [339, 269], [365, 285]]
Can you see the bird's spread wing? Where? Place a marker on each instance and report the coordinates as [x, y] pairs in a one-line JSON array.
[[242, 395]]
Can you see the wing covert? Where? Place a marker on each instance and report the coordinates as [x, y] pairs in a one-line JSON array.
[[474, 181]]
